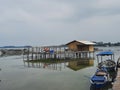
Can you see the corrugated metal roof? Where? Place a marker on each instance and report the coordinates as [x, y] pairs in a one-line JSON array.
[[86, 42], [82, 41]]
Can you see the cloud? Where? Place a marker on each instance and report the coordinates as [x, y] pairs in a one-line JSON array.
[[107, 4], [57, 21]]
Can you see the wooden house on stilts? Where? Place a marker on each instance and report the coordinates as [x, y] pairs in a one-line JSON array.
[[72, 50], [84, 50]]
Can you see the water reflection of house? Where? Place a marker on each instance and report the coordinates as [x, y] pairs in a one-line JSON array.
[[80, 64]]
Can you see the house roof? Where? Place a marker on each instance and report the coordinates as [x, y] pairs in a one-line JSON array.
[[82, 41]]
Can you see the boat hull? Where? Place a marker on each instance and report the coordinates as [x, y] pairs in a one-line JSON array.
[[100, 78], [99, 85]]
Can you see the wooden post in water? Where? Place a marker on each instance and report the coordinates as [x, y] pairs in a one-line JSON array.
[[32, 53], [28, 54]]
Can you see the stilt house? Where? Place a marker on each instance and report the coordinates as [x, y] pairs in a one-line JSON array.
[[81, 46]]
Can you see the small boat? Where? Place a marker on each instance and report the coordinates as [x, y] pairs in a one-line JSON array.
[[100, 78], [118, 63], [109, 64]]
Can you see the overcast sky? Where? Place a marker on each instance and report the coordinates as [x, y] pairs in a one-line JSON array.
[[54, 22]]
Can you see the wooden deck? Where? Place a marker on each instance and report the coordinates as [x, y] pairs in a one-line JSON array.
[[55, 52], [116, 85]]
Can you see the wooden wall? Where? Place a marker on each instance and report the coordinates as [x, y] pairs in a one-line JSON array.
[[76, 46]]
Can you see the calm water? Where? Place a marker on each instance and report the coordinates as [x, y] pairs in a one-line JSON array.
[[17, 75]]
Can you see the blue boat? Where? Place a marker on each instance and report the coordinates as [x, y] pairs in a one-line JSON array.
[[100, 78], [109, 64]]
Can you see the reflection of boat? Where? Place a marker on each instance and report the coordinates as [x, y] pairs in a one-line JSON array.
[[100, 78], [109, 64], [80, 64]]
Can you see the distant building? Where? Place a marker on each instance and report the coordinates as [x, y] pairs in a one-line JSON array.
[[77, 45]]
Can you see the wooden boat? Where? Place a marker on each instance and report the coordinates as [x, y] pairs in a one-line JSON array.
[[109, 64], [118, 63], [100, 78]]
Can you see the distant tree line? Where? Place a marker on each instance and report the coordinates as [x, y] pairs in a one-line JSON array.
[[15, 46], [107, 44]]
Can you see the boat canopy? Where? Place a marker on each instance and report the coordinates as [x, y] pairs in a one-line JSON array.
[[105, 53]]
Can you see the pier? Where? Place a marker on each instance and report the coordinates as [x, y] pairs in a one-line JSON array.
[[72, 50], [75, 52], [55, 52], [116, 85]]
